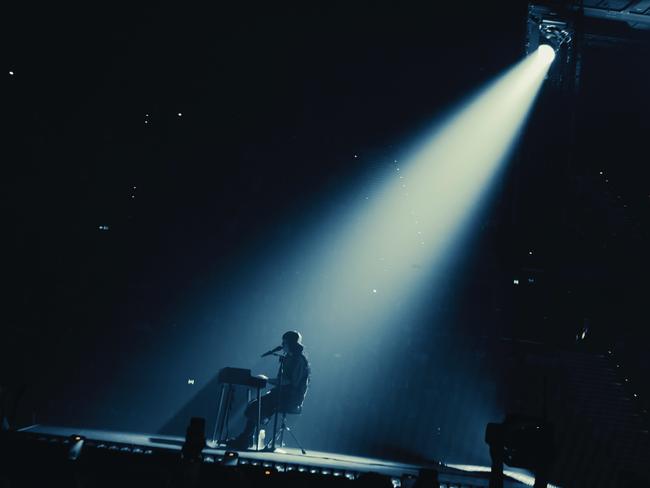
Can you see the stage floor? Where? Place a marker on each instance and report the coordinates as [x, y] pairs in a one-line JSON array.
[[289, 458]]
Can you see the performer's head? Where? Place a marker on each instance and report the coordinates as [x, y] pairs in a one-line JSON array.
[[292, 342]]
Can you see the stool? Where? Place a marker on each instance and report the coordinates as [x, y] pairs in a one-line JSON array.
[[278, 435]]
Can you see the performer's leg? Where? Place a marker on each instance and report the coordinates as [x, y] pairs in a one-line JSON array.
[[269, 406], [251, 418]]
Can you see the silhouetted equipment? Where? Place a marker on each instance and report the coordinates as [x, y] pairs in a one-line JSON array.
[[194, 439], [229, 378], [189, 474], [522, 442], [428, 478], [374, 480]]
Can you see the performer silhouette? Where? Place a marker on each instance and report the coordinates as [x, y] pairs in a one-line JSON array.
[[288, 394]]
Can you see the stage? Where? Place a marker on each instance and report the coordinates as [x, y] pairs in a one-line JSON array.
[[282, 460]]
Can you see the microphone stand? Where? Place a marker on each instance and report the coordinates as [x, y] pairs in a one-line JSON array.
[[281, 359]]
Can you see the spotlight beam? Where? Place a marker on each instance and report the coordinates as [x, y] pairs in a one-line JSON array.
[[362, 276], [416, 215]]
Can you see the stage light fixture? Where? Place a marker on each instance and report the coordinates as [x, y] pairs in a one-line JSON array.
[[549, 27], [547, 55], [231, 458], [77, 445], [554, 34]]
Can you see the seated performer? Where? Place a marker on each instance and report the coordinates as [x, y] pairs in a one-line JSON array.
[[289, 392]]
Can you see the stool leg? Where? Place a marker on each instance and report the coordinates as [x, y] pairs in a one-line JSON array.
[[258, 420], [302, 449], [282, 428]]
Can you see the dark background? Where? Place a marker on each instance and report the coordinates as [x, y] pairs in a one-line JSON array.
[[276, 101]]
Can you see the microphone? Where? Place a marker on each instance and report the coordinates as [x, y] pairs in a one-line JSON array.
[[274, 350]]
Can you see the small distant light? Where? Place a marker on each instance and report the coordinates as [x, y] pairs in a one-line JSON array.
[[355, 156], [635, 395], [146, 115], [515, 282], [397, 169], [606, 180], [530, 253], [609, 352], [600, 173], [134, 187], [190, 381], [11, 73], [146, 121], [103, 227], [618, 365], [531, 280], [626, 380], [267, 472], [374, 290], [395, 162], [180, 114], [583, 335], [132, 196]]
